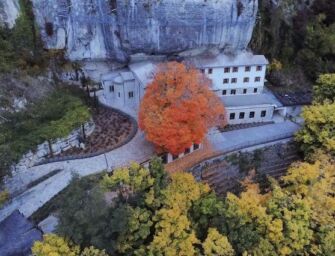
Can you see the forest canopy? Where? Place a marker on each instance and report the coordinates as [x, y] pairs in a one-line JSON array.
[[152, 213]]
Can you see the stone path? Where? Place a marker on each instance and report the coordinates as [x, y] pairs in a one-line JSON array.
[[218, 143], [138, 150], [252, 136]]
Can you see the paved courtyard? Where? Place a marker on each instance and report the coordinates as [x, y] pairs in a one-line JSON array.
[[251, 136]]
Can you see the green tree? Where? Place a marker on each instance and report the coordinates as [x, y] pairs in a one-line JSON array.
[[79, 218], [318, 129], [324, 90]]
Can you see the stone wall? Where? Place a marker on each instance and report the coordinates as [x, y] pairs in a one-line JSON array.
[[58, 146]]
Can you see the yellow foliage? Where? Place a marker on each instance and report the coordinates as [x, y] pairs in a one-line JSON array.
[[135, 177], [53, 245], [217, 244], [92, 251], [183, 190], [173, 232], [4, 196]]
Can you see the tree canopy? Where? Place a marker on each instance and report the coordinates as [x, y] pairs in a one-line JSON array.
[[318, 130], [324, 90], [155, 214], [178, 108]]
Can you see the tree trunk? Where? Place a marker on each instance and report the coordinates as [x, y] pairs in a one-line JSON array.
[[50, 149], [84, 134]]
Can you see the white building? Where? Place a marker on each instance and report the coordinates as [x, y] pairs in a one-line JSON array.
[[238, 80], [121, 89], [125, 88]]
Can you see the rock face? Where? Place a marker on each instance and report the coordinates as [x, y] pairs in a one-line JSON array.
[[116, 29], [9, 11]]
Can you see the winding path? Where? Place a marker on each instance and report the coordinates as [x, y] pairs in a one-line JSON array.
[[139, 150]]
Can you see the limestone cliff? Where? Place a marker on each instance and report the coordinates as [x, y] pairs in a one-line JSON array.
[[116, 29], [9, 11]]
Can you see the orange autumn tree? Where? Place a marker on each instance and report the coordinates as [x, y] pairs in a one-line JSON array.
[[178, 108]]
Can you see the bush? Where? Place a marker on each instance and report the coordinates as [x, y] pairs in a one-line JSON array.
[[4, 196]]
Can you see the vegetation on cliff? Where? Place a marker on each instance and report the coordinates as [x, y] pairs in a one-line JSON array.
[[52, 117], [300, 35], [21, 47]]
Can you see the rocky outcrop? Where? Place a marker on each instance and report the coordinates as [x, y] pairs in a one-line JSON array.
[[9, 11], [16, 91], [116, 29]]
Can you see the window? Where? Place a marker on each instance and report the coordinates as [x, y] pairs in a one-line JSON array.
[[247, 68], [226, 70], [111, 88], [259, 68], [232, 116], [241, 116], [119, 94], [164, 158], [244, 91], [210, 71], [187, 151], [255, 90], [130, 94], [202, 71], [196, 146], [252, 114], [263, 113], [174, 157], [234, 80], [226, 81], [257, 79], [246, 80], [235, 69], [233, 92], [224, 92]]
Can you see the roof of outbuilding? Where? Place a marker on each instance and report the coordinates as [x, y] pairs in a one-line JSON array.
[[223, 60], [144, 71], [127, 76], [17, 235], [247, 100]]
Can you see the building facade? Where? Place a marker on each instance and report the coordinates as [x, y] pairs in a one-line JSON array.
[[238, 80], [121, 88]]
